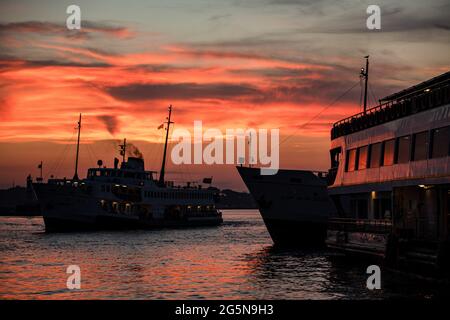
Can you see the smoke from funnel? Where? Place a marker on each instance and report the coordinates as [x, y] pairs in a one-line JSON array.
[[111, 123], [133, 151]]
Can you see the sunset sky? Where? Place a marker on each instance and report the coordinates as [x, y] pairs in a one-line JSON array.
[[232, 64]]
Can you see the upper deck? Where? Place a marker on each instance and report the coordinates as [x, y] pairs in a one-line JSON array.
[[424, 96]]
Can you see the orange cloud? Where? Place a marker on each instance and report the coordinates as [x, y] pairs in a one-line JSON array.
[[125, 94]]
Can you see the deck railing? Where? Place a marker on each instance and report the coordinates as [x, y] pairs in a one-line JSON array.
[[320, 174], [392, 110], [360, 225]]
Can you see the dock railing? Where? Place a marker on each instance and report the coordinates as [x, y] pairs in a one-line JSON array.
[[360, 225]]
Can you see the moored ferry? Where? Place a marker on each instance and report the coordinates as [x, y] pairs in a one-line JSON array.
[[390, 179], [124, 197], [293, 204], [388, 194]]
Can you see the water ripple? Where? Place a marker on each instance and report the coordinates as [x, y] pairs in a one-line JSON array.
[[234, 261]]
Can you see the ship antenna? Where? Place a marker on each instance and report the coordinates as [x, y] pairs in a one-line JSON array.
[[40, 168], [123, 149], [75, 176], [161, 175], [249, 147], [365, 74]]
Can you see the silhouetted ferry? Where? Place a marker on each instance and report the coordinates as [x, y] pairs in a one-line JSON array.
[[390, 179], [294, 205], [389, 182], [124, 197]]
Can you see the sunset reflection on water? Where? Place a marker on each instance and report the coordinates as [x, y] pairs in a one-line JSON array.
[[234, 261]]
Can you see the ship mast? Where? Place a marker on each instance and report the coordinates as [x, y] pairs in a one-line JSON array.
[[365, 74], [163, 166], [40, 178], [123, 149], [40, 167], [75, 176]]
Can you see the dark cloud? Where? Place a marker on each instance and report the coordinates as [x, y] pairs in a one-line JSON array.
[[111, 123], [52, 28], [317, 91], [305, 6], [32, 26], [277, 72], [442, 26], [219, 17], [200, 50], [8, 63], [48, 63], [157, 67], [180, 91], [349, 16], [298, 92], [252, 46], [255, 48]]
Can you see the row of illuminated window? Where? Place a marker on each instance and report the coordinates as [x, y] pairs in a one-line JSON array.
[[177, 195], [119, 174], [419, 146], [162, 194]]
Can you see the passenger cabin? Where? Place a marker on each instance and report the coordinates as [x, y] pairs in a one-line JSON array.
[[390, 165], [132, 171]]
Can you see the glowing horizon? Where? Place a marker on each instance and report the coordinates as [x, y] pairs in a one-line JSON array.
[[220, 63]]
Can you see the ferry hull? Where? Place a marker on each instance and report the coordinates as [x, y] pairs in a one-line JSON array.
[[287, 233], [65, 208], [294, 205]]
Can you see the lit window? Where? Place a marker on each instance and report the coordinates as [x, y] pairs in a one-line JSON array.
[[388, 154], [404, 149], [351, 160], [362, 157], [375, 155]]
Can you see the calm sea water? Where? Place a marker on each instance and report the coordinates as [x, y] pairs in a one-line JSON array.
[[234, 261]]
